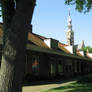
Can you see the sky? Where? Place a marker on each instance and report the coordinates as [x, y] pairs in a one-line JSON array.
[[50, 20]]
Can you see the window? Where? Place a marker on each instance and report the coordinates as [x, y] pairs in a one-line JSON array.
[[75, 66], [35, 65], [52, 69], [60, 68]]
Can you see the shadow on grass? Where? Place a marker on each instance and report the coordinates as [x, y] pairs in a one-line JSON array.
[[73, 87], [54, 81]]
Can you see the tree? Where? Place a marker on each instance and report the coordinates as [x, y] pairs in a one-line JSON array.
[[17, 16], [87, 48], [81, 5]]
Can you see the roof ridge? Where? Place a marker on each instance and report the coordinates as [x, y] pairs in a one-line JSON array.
[[41, 37]]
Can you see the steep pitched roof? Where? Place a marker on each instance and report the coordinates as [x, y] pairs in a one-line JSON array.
[[78, 53], [81, 45], [36, 40], [51, 51], [89, 55], [61, 46], [39, 36]]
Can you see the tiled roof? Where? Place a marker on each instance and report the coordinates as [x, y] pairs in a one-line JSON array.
[[78, 53], [62, 44], [39, 36], [62, 47], [89, 55], [81, 45], [56, 52], [36, 40]]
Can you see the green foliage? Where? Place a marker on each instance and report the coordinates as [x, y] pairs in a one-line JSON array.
[[81, 5], [87, 48]]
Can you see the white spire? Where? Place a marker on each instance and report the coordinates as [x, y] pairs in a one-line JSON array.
[[69, 22], [69, 12], [70, 33]]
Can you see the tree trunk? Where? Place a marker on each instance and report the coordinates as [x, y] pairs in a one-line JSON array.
[[13, 58]]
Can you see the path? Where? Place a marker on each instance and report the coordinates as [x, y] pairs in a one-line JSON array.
[[40, 88]]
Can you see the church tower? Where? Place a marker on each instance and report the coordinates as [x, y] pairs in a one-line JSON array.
[[70, 33]]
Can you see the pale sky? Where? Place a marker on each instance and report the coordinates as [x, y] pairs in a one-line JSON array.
[[50, 20]]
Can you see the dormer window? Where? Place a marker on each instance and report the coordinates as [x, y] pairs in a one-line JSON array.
[[52, 43]]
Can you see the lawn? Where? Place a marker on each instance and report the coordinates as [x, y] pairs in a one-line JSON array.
[[73, 87]]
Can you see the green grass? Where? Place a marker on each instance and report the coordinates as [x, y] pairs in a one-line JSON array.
[[73, 87]]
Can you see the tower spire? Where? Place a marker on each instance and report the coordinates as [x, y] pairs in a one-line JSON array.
[[69, 12], [69, 22], [70, 33]]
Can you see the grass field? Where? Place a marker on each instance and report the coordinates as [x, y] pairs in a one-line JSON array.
[[73, 87], [78, 84]]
